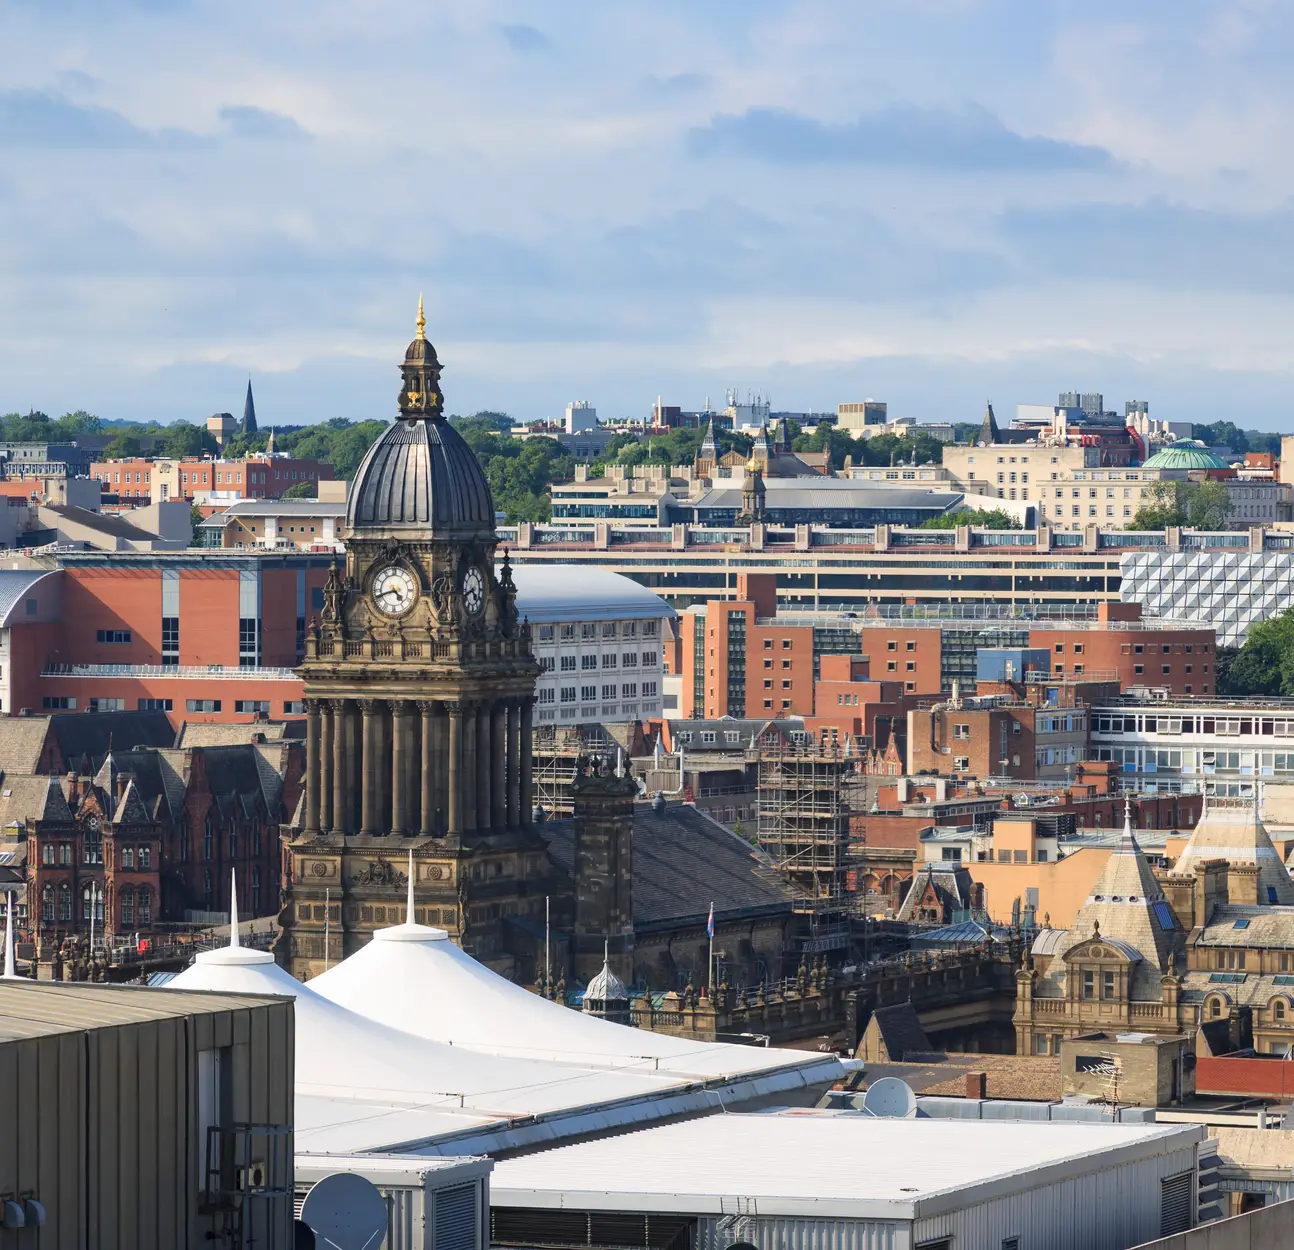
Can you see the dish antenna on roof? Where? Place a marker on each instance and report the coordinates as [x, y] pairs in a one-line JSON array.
[[890, 1099], [346, 1212]]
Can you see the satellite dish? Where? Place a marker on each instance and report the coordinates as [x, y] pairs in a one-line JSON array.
[[890, 1099], [346, 1212]]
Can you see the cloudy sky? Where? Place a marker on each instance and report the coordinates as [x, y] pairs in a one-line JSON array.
[[932, 202]]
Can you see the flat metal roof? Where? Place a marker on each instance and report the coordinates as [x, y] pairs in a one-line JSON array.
[[824, 1164], [39, 1008]]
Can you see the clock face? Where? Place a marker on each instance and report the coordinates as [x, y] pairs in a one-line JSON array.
[[474, 590], [394, 590]]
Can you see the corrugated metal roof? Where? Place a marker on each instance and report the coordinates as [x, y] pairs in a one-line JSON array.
[[824, 1164], [38, 1008], [570, 592], [15, 586]]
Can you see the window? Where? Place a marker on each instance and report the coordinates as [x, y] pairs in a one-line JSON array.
[[1107, 983], [547, 695], [233, 842], [249, 642], [961, 731], [112, 635], [64, 902], [588, 692], [629, 659], [649, 690], [105, 704], [256, 889], [293, 707], [547, 663], [144, 900], [609, 661], [608, 629], [202, 705], [208, 839], [145, 857], [786, 644], [47, 905], [609, 691], [545, 633], [154, 705], [588, 630], [629, 690], [588, 661], [128, 907], [568, 664], [568, 694], [649, 659], [58, 703], [1089, 983], [961, 763], [128, 858]]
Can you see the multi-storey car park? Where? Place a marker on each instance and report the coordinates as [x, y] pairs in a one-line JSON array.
[[1226, 580], [1224, 747]]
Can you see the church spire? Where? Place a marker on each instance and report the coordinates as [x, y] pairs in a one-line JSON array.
[[249, 411]]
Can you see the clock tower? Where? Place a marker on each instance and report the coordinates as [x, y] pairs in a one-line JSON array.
[[419, 686]]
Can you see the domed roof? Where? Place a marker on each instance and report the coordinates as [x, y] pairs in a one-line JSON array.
[[1190, 455], [421, 473], [606, 987]]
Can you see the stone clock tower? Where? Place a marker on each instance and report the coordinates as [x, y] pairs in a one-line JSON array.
[[419, 686]]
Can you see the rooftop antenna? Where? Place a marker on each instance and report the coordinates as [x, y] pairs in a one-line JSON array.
[[233, 909], [408, 910], [10, 970]]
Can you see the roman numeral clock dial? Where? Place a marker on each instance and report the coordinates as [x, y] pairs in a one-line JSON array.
[[394, 591]]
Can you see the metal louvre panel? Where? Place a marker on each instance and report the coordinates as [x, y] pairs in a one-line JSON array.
[[456, 1218], [1175, 1201]]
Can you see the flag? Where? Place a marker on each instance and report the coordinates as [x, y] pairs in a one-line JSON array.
[[709, 924]]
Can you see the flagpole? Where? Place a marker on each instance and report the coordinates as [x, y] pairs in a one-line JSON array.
[[709, 973]]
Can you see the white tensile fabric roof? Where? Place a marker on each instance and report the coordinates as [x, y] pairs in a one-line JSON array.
[[413, 977], [364, 1085]]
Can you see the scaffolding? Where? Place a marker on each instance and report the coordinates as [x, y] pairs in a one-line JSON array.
[[556, 752], [807, 797]]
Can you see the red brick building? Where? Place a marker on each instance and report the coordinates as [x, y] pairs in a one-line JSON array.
[[154, 478], [199, 637]]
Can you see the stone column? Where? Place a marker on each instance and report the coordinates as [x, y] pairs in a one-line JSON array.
[[401, 763], [513, 764], [455, 753], [440, 769], [341, 755], [499, 766], [527, 748], [467, 773], [428, 793], [484, 773], [313, 760], [369, 769], [325, 763]]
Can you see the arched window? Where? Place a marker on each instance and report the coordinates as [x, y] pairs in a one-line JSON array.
[[87, 902], [256, 836], [206, 891], [184, 840], [64, 903], [233, 841], [145, 907], [47, 905], [1280, 1009], [1215, 1007], [127, 907], [256, 889], [128, 858], [208, 840]]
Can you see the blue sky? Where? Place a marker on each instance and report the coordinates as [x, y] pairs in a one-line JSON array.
[[933, 202]]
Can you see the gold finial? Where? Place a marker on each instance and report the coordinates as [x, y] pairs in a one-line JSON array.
[[422, 321]]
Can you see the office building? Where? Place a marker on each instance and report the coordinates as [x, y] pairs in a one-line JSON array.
[[265, 475]]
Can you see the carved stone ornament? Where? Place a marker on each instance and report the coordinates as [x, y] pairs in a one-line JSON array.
[[320, 868], [379, 872]]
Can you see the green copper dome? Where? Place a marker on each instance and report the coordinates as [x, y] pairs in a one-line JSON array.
[[1185, 456]]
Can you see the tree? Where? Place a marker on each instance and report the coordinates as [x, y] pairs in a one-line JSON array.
[[186, 439], [1264, 665], [72, 425], [302, 490], [1199, 505], [123, 447], [980, 518], [1223, 434]]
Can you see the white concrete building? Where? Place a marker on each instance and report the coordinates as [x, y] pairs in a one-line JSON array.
[[581, 416], [599, 639]]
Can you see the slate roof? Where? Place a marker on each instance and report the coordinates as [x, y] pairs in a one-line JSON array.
[[24, 796], [214, 734], [1238, 835], [241, 780], [1033, 1078], [21, 741], [683, 860], [901, 1031], [86, 736], [1260, 927]]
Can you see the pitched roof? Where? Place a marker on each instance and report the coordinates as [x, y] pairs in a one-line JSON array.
[[683, 861], [213, 733], [1236, 833], [1262, 927], [1125, 902], [80, 735], [22, 739], [31, 796], [901, 1031], [131, 809]]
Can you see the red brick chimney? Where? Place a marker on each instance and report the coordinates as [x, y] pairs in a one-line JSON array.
[[976, 1085]]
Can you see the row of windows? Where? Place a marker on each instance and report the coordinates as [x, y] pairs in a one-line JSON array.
[[60, 854], [101, 703], [629, 690], [112, 635], [587, 631]]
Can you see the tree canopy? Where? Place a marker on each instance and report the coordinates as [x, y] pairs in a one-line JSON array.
[[1264, 665], [980, 518], [1200, 505], [519, 471], [880, 449], [36, 427]]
